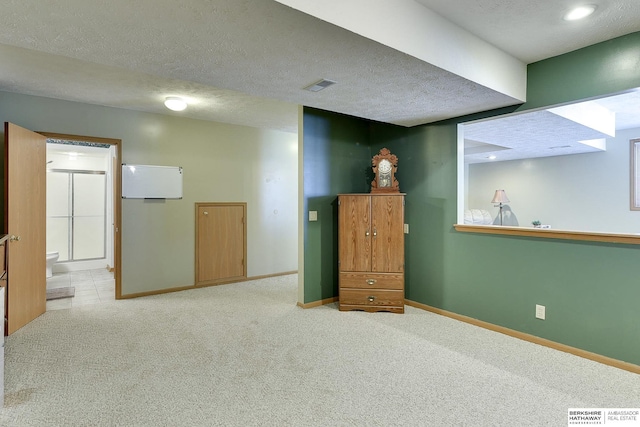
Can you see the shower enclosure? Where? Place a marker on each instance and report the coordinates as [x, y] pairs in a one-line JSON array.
[[76, 214]]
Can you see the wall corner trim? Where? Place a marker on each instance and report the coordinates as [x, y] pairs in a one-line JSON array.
[[204, 285], [317, 303], [531, 338]]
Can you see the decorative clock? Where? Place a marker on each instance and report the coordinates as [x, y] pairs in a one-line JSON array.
[[385, 165]]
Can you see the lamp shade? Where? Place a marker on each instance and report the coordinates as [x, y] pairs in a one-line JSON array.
[[500, 197]]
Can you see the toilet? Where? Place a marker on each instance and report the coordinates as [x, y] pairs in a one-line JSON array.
[[52, 257]]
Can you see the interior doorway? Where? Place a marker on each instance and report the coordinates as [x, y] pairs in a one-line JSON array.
[[83, 220]]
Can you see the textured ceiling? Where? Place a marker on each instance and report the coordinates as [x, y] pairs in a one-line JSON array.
[[534, 30], [43, 74], [246, 62], [221, 54]]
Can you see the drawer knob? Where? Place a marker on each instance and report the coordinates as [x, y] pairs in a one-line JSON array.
[[371, 281], [371, 298]]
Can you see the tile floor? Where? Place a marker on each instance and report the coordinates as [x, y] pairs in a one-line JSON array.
[[92, 287]]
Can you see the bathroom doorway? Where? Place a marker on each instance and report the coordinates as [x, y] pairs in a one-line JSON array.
[[82, 217]]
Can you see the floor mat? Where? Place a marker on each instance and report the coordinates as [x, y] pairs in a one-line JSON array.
[[58, 293]]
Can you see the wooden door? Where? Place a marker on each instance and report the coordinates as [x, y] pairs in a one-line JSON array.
[[220, 242], [25, 222], [387, 222], [354, 222]]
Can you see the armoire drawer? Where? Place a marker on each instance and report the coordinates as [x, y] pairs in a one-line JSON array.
[[372, 280], [374, 297]]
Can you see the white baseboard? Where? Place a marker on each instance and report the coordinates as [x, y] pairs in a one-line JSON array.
[[65, 267]]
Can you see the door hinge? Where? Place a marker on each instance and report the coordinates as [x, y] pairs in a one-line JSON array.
[[338, 202], [403, 201]]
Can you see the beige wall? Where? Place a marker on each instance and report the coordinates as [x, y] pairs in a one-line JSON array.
[[586, 192], [222, 163]]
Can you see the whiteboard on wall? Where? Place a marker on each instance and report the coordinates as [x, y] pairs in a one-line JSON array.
[[151, 182]]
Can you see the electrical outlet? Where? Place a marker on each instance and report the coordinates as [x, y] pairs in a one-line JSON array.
[[540, 312], [313, 215]]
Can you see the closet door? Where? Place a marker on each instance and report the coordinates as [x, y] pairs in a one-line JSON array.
[[220, 242], [354, 246]]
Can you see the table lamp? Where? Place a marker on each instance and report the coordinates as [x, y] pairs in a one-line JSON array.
[[500, 197]]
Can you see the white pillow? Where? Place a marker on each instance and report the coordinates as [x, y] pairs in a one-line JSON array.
[[477, 216]]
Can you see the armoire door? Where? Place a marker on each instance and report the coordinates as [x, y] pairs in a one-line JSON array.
[[220, 242], [387, 222], [354, 246]]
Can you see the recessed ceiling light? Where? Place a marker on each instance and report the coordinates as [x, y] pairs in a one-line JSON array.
[[579, 12], [174, 103]]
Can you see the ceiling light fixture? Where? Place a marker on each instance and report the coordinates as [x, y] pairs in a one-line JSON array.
[[174, 103], [579, 12]]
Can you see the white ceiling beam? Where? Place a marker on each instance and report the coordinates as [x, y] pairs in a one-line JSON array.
[[409, 27], [590, 114]]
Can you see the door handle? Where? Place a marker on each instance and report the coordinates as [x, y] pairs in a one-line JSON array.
[[14, 238], [206, 213], [375, 232], [366, 233]]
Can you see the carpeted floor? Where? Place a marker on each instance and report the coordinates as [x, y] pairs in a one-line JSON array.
[[245, 355]]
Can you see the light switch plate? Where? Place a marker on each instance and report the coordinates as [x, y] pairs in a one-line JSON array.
[[313, 215], [406, 229]]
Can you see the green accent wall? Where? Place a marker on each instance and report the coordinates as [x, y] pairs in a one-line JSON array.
[[604, 68], [590, 290], [426, 173], [336, 159]]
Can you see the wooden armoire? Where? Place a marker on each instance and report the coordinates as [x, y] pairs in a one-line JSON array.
[[371, 252]]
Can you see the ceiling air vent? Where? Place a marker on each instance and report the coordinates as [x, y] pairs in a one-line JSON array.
[[318, 86]]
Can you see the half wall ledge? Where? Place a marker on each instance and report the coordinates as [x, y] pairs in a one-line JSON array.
[[545, 233]]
